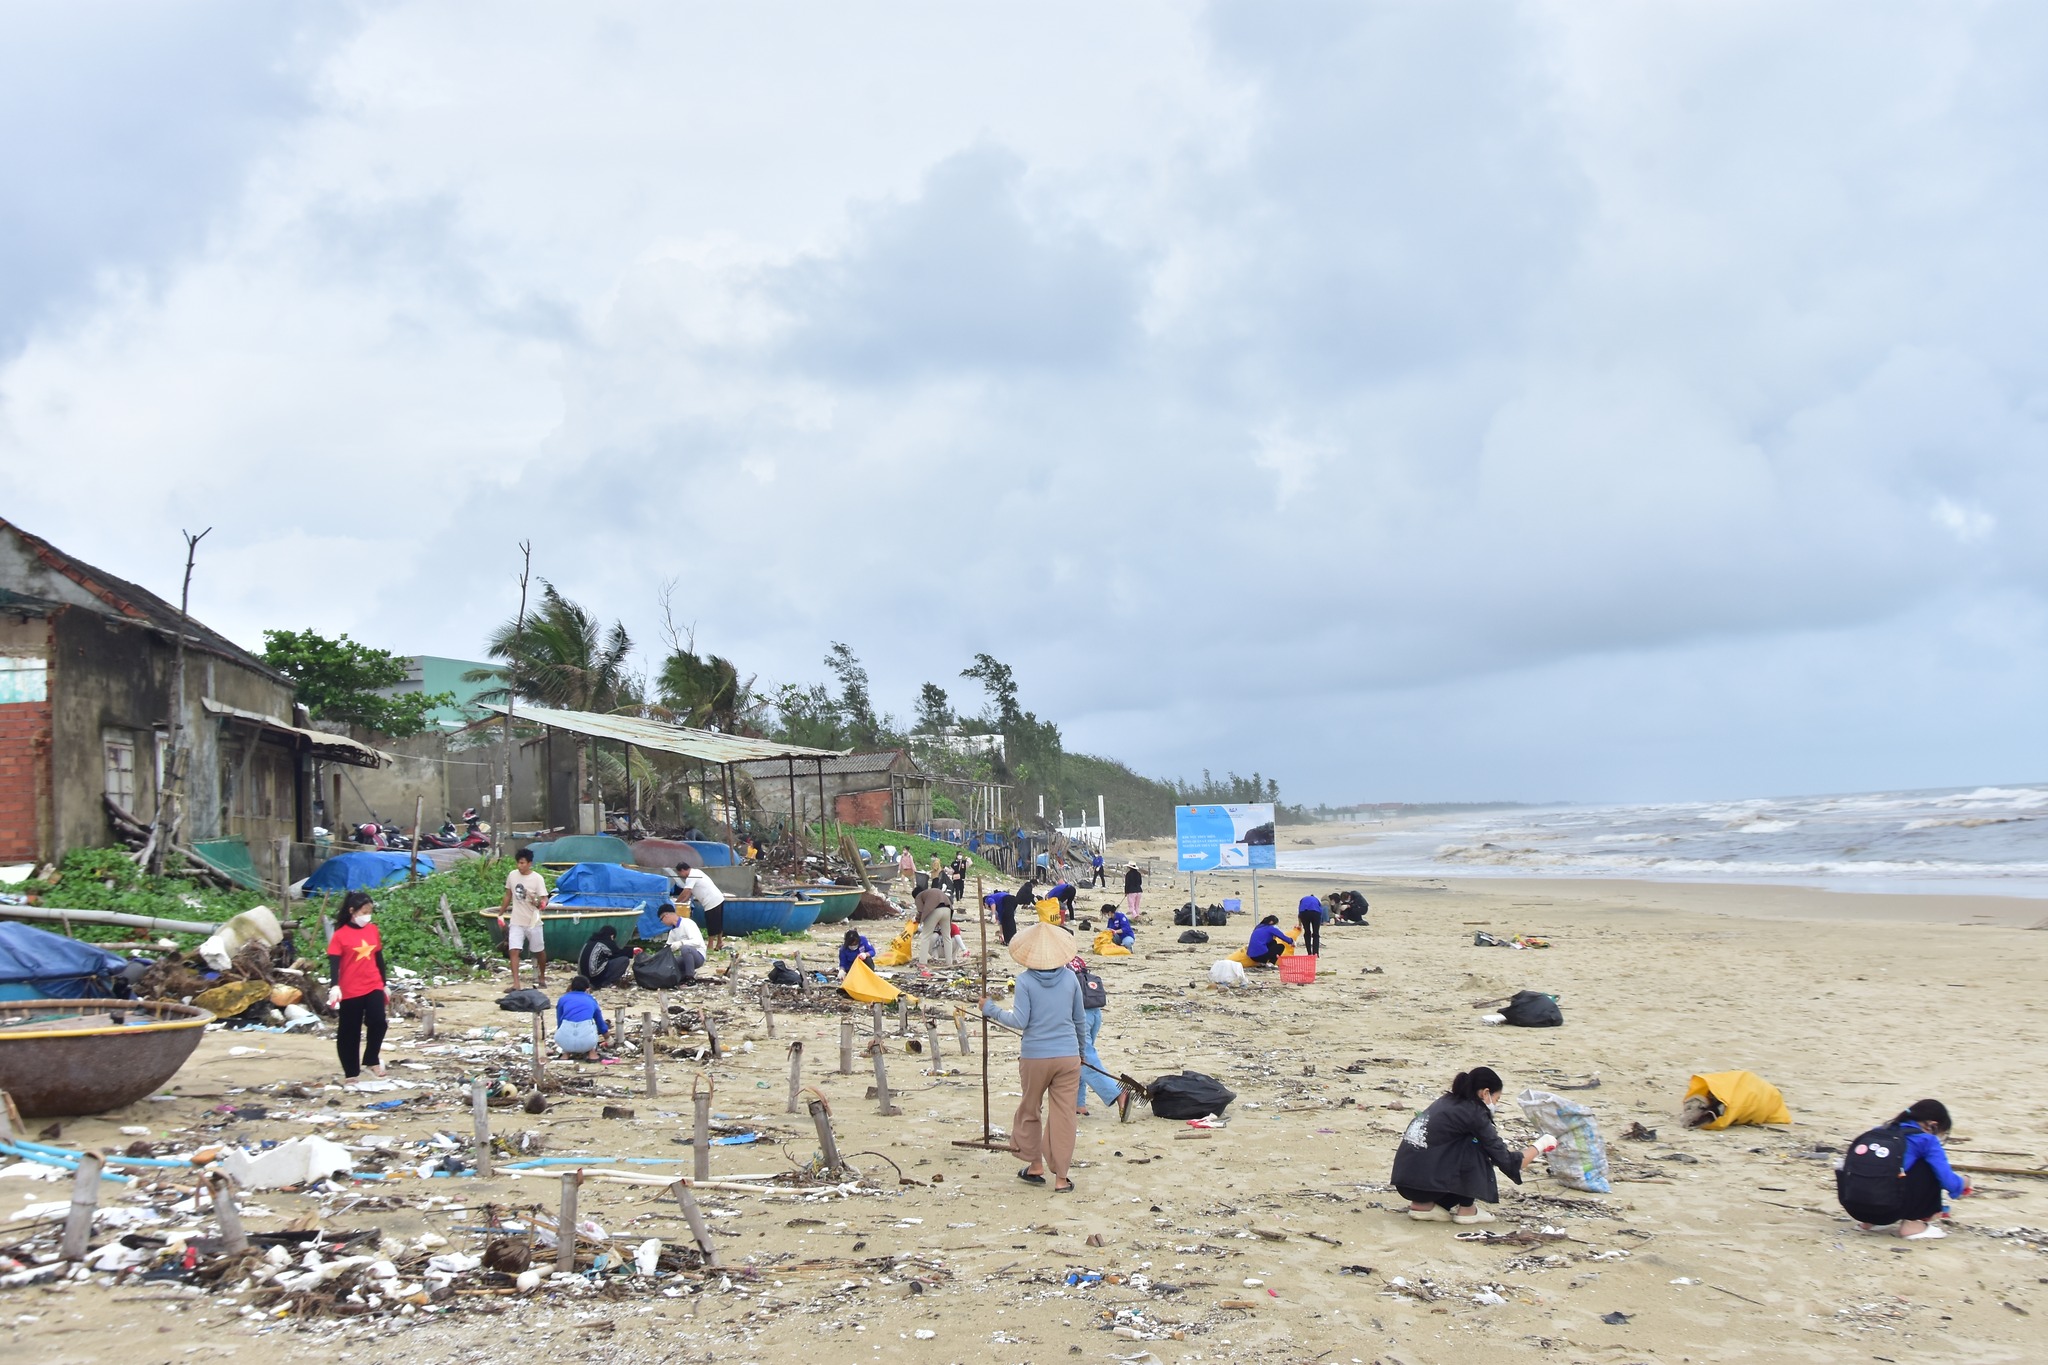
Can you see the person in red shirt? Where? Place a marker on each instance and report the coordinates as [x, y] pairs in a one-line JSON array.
[[355, 963]]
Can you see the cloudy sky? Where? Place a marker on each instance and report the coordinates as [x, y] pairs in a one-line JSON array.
[[1593, 401]]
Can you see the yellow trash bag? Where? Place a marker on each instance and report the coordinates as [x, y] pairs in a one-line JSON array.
[[898, 952], [1748, 1098], [863, 985], [1107, 946], [1048, 911], [1243, 958]]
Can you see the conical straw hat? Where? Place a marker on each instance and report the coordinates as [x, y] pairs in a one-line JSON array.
[[1042, 945]]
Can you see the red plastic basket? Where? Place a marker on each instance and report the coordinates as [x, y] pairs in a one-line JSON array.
[[1298, 969]]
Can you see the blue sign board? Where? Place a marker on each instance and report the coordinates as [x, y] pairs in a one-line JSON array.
[[1220, 838]]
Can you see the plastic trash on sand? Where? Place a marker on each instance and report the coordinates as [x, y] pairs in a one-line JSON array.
[[296, 1162], [1227, 973], [647, 1256], [1580, 1159], [251, 926]]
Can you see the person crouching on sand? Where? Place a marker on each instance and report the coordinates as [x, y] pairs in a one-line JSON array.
[[1897, 1173], [580, 1027], [1267, 942], [1446, 1161]]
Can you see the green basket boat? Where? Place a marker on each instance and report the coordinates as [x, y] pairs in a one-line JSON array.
[[839, 901], [565, 931]]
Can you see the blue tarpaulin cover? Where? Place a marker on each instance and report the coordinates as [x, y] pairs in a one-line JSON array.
[[54, 966], [611, 879], [362, 872]]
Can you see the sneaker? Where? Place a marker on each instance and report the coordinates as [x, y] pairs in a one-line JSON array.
[[1927, 1234]]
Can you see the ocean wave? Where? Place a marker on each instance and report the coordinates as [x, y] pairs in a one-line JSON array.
[[1765, 827], [1965, 822]]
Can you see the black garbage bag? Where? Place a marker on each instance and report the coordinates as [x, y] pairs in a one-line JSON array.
[[526, 1001], [1215, 914], [782, 974], [658, 970], [1194, 936], [1532, 1009], [1184, 915], [1188, 1095]]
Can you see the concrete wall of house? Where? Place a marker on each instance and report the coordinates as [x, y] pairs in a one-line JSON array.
[[111, 686], [25, 811]]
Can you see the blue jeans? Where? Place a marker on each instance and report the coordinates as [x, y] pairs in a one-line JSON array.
[[578, 1035], [1092, 1073]]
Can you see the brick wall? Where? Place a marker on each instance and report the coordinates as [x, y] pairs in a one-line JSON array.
[[862, 808], [24, 778]]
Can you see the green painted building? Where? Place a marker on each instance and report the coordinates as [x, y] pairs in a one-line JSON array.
[[430, 673]]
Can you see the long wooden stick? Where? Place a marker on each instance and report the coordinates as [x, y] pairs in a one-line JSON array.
[[2037, 1172], [987, 1132]]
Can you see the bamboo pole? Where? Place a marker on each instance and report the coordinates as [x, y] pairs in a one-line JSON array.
[[847, 1029], [879, 1051], [695, 1217], [540, 1053], [565, 1228], [85, 1199], [828, 1145], [233, 1240], [647, 1053], [700, 1153], [480, 1110], [796, 1076]]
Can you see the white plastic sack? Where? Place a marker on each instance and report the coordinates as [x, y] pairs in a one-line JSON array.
[[1228, 972], [647, 1257], [251, 926], [297, 1162], [1580, 1160]]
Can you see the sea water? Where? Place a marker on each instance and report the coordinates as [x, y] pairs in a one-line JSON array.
[[1985, 840]]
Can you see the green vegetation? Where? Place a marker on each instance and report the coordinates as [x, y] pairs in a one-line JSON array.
[[338, 680], [409, 916], [108, 879], [872, 837], [768, 938]]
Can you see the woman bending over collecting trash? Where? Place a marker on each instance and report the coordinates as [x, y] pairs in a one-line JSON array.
[[580, 1028], [1446, 1160], [1267, 942], [1896, 1174]]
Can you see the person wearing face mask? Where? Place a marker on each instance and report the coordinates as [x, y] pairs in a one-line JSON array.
[[1445, 1164], [355, 964]]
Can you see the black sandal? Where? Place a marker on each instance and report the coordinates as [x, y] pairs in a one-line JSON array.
[[1067, 1188], [1025, 1175]]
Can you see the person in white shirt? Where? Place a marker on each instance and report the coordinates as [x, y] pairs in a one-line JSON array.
[[526, 895], [684, 939], [701, 889]]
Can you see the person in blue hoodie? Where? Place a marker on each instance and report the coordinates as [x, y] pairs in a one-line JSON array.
[[1308, 917], [854, 948], [1121, 930], [1898, 1173], [580, 1028], [1049, 1013], [1267, 942]]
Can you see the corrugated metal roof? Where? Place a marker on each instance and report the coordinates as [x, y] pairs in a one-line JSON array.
[[340, 748], [879, 761], [707, 745]]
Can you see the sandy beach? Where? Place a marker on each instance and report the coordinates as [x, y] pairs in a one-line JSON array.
[[1274, 1238]]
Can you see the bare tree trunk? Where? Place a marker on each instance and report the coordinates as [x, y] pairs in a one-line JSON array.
[[163, 827], [512, 691]]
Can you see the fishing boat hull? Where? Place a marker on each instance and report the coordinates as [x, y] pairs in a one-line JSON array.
[[749, 914], [839, 901], [565, 931], [57, 1072], [801, 916]]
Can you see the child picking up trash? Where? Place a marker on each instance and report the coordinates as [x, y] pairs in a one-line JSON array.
[[580, 1028], [1897, 1173], [1446, 1161]]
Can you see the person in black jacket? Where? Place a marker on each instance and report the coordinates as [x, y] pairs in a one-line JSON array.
[[601, 961], [1446, 1160], [1134, 888]]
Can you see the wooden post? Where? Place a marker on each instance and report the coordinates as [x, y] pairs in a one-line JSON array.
[[767, 1014], [700, 1144], [828, 1146], [710, 1032], [480, 1109], [540, 1052], [878, 1050], [803, 978], [902, 1016], [412, 860], [233, 1241], [426, 1022], [7, 1128], [796, 1075], [874, 1019], [448, 919], [960, 1027], [695, 1217], [85, 1199], [647, 1053], [565, 1227], [931, 1044], [846, 1031]]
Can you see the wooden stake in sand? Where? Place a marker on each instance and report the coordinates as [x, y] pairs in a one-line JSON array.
[[987, 1140], [902, 1016], [931, 1045], [710, 1032], [233, 1241], [695, 1217], [960, 1028], [796, 1075], [540, 1052], [879, 1050], [480, 1109], [828, 1145], [647, 1053], [874, 1019], [565, 1228], [426, 1022], [700, 1141], [846, 1030], [767, 1014], [85, 1198]]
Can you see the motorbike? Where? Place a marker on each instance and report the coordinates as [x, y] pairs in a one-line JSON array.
[[388, 837]]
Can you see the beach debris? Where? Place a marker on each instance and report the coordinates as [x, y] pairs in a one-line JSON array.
[[1637, 1133], [1614, 1319], [299, 1161]]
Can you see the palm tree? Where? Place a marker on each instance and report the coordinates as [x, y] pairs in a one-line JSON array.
[[560, 657]]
